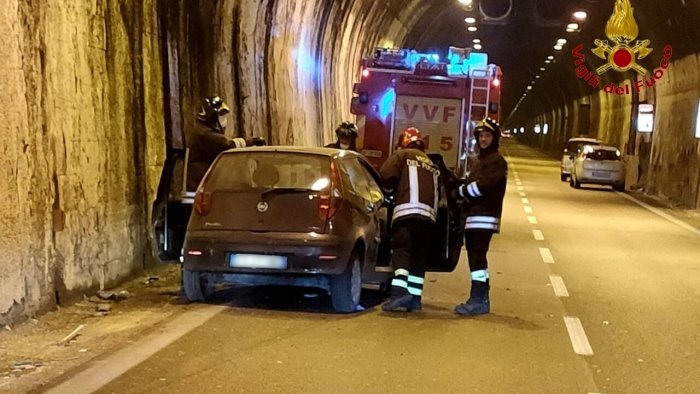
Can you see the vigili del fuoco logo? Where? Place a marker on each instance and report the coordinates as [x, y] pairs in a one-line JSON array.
[[621, 53]]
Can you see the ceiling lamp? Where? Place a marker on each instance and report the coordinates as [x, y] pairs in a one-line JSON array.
[[477, 47], [561, 41], [571, 27], [476, 41], [470, 20], [472, 28], [466, 2], [558, 47], [580, 15], [550, 57], [542, 69]]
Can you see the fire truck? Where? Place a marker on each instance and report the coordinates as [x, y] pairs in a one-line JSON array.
[[400, 88]]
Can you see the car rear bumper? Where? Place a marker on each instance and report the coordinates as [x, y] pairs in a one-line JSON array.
[[594, 176], [306, 253]]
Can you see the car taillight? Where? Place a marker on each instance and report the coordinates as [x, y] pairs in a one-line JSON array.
[[202, 203], [328, 203]]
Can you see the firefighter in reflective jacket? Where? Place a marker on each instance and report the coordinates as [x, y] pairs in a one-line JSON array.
[[413, 177], [346, 134], [483, 194], [208, 139]]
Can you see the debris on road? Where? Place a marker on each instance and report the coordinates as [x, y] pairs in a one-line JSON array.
[[72, 335], [8, 328], [103, 307], [150, 279]]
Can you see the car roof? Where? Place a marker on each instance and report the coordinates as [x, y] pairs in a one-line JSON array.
[[329, 152], [584, 139]]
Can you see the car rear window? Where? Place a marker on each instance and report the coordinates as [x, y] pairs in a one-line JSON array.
[[268, 170], [574, 147], [602, 154]]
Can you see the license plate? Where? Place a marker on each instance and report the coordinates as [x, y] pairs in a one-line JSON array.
[[257, 261], [601, 174]]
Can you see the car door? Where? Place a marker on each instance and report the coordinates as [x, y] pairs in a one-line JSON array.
[[171, 209], [450, 222], [381, 215]]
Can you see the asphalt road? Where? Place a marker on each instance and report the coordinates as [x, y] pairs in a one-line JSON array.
[[591, 292]]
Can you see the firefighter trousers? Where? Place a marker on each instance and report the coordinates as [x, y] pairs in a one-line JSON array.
[[477, 245], [411, 244]]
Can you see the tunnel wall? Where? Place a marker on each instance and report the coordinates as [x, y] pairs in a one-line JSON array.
[[81, 146]]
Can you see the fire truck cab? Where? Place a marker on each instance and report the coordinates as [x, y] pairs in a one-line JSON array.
[[400, 88]]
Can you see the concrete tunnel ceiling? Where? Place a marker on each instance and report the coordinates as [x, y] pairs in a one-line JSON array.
[[520, 41]]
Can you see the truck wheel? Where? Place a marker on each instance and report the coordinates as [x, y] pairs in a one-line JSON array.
[[346, 287], [198, 286], [619, 187]]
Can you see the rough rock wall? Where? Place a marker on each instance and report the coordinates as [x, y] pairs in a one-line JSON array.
[[286, 68], [82, 142]]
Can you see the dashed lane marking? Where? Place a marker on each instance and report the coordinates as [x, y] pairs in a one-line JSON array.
[[520, 188], [525, 200], [538, 235], [522, 194], [662, 214], [578, 336], [528, 209], [101, 372], [532, 219], [546, 255], [558, 286]]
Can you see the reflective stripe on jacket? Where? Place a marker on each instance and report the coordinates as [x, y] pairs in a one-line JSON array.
[[414, 177]]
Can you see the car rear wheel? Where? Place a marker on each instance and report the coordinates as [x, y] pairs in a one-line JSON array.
[[563, 177], [346, 287], [198, 286]]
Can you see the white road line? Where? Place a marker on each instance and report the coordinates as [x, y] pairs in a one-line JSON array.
[[522, 194], [101, 372], [532, 219], [520, 188], [558, 286], [546, 255], [662, 214], [528, 209], [578, 336], [518, 183], [538, 235], [525, 200]]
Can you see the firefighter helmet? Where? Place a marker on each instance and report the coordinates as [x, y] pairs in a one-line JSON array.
[[212, 108], [491, 126], [411, 138], [346, 129]]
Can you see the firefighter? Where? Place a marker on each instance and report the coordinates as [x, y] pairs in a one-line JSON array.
[[483, 195], [346, 134], [413, 178], [208, 139]]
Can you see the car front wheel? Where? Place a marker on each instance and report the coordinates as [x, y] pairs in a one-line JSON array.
[[198, 286], [346, 287]]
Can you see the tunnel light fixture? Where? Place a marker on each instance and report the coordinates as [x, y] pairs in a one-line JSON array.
[[561, 41], [538, 129], [550, 57], [470, 19], [466, 2], [543, 69], [529, 87], [537, 76], [558, 47], [545, 129], [547, 61], [522, 130], [472, 28], [580, 15], [476, 41], [571, 27], [477, 47]]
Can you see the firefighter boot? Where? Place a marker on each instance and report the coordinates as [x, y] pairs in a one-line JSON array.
[[478, 302], [401, 299]]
